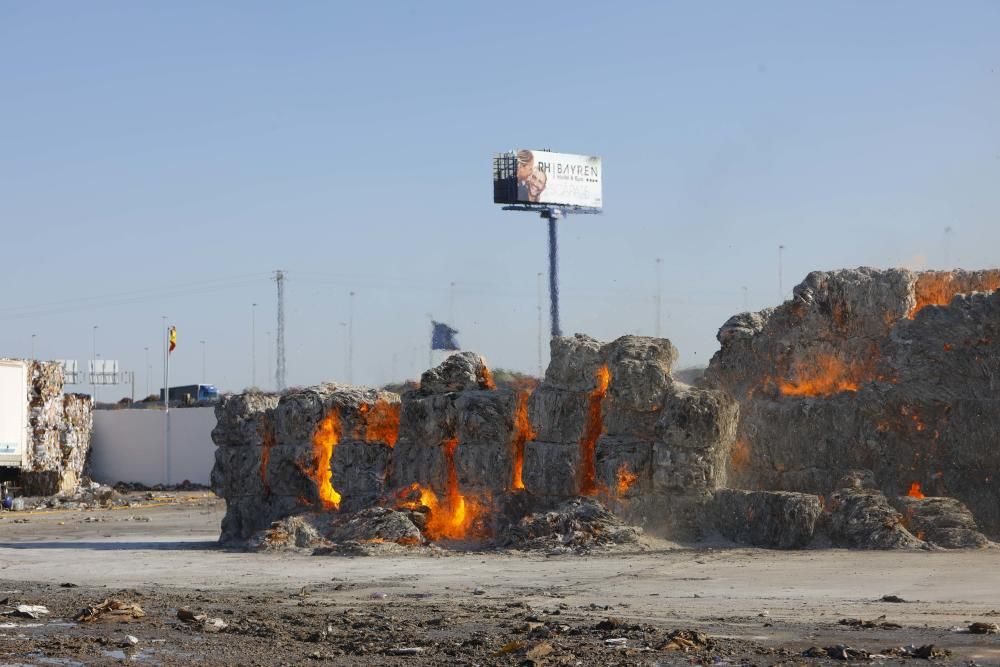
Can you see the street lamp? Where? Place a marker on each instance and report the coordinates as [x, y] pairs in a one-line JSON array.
[[93, 368], [202, 362]]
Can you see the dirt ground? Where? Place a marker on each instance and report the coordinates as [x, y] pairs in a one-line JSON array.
[[440, 607]]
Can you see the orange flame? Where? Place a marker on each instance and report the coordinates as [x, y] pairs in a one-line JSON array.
[[915, 491], [938, 287], [522, 434], [592, 431], [449, 520], [626, 478], [324, 442], [486, 376], [381, 422], [827, 375], [739, 456]]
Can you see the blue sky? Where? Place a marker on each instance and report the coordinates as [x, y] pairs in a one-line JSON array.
[[163, 158]]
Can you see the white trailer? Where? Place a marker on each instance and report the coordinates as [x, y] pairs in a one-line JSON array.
[[13, 413]]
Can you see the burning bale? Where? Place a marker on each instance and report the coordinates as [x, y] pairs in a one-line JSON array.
[[580, 524], [943, 522], [320, 448], [888, 370]]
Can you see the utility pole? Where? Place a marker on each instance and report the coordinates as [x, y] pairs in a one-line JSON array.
[[553, 215], [540, 369], [350, 340], [270, 372], [202, 362], [148, 370], [93, 368], [279, 279], [781, 290], [659, 297], [253, 345]]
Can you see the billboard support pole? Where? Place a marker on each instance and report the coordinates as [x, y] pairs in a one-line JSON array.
[[552, 216]]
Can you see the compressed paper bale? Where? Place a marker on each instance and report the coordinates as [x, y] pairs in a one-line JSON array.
[[427, 420], [360, 470], [485, 416], [461, 371], [944, 522], [376, 524], [238, 418], [681, 469], [864, 519], [699, 419], [289, 471], [484, 466], [624, 467], [640, 372], [574, 361], [237, 472], [420, 463], [551, 469], [558, 415], [773, 519]]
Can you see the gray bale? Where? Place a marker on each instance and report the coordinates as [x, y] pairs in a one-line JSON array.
[[360, 470], [238, 418], [944, 522], [619, 460], [551, 468], [461, 371], [558, 415], [573, 362], [864, 519], [772, 519], [640, 372]]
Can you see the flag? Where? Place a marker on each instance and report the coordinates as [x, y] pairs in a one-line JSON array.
[[443, 337], [173, 339]]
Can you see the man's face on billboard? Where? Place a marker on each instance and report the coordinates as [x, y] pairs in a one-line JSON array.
[[536, 183], [525, 165]]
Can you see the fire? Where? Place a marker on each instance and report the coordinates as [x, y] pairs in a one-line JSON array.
[[324, 442], [381, 422], [522, 434], [827, 375], [739, 457], [485, 377], [937, 288], [915, 491], [625, 479], [451, 519], [592, 431]]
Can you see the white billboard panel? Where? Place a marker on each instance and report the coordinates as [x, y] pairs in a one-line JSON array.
[[565, 179], [13, 412]]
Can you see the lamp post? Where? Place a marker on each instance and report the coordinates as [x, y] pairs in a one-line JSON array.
[[93, 368], [148, 370]]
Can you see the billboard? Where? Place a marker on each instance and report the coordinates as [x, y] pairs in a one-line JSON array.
[[543, 178], [13, 412]]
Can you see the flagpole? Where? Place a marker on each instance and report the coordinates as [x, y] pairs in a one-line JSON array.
[[166, 410]]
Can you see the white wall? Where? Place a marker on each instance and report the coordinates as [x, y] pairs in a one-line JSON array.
[[130, 446]]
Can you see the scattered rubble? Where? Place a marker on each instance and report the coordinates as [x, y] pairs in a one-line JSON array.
[[110, 608], [575, 525]]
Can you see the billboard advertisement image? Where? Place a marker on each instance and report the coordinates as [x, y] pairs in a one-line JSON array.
[[546, 178]]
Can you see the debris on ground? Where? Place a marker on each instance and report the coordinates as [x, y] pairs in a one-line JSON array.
[[575, 525], [26, 611], [925, 652], [685, 641], [892, 598], [110, 607], [979, 628], [879, 622], [201, 621]]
